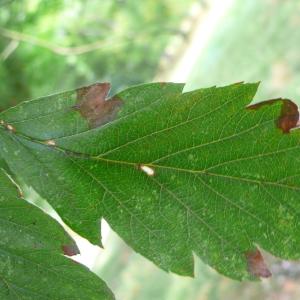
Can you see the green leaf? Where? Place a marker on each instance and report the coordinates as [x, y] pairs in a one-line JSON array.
[[32, 265], [69, 191], [173, 173]]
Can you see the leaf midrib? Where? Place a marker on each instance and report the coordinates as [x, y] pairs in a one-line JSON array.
[[107, 190], [153, 165]]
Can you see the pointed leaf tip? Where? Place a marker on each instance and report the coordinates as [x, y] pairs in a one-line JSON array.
[[70, 250]]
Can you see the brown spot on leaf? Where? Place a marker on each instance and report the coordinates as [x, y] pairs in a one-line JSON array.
[[289, 115], [256, 264], [70, 250], [93, 105]]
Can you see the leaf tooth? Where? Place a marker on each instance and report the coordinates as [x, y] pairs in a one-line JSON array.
[[70, 250], [256, 264]]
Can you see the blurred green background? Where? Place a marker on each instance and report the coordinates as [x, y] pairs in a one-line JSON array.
[[53, 45]]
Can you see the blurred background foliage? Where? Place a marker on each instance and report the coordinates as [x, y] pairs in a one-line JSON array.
[[258, 40], [48, 46]]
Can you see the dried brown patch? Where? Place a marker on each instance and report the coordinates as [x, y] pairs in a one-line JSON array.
[[256, 264], [289, 115], [70, 250], [93, 105]]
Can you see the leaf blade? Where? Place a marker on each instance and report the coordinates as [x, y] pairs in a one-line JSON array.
[[211, 160], [32, 262]]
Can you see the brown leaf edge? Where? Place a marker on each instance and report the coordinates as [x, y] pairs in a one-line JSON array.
[[289, 115]]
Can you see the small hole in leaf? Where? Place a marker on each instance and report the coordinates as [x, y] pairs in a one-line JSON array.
[[50, 143], [148, 170], [10, 128]]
